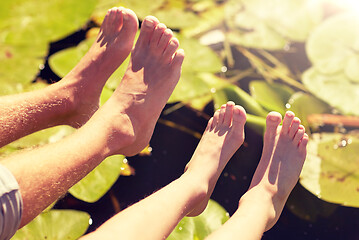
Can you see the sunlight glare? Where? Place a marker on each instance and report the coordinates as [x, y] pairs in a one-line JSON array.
[[352, 5]]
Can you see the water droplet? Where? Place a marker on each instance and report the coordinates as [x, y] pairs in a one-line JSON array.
[[335, 147], [213, 90], [227, 214], [287, 106], [180, 228], [349, 141], [41, 66], [90, 221], [149, 149], [125, 160], [224, 69]]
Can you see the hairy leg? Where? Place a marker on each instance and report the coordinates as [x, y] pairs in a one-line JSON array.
[[152, 74], [161, 212], [75, 98], [283, 156]]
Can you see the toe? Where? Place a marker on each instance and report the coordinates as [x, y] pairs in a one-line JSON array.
[[287, 122], [294, 127], [239, 117], [164, 40], [298, 135], [228, 114], [170, 49], [147, 28], [221, 114], [215, 118], [303, 143], [209, 125], [127, 22], [177, 59], [272, 122], [156, 36]]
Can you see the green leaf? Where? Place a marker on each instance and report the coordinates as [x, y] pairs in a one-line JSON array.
[[201, 226], [194, 85], [92, 187], [303, 105], [335, 89], [272, 96], [240, 97], [28, 28], [199, 58], [39, 138], [55, 225], [331, 170], [64, 61], [333, 46]]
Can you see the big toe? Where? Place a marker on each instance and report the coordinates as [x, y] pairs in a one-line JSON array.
[[147, 28], [272, 122]]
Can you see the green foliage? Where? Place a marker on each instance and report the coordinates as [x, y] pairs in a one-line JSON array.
[[256, 37], [201, 226], [55, 225], [331, 169], [92, 187], [333, 50], [27, 28]]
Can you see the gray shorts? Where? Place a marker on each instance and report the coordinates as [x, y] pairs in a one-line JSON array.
[[10, 204]]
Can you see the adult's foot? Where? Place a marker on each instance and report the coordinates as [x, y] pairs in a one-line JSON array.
[[83, 85], [283, 156], [221, 139], [152, 74]]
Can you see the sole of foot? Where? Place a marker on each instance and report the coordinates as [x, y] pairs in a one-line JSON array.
[[84, 84], [221, 139], [152, 74], [283, 156]]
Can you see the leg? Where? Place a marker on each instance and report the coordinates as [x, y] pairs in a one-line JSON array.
[[75, 98], [164, 209], [127, 118], [277, 173]]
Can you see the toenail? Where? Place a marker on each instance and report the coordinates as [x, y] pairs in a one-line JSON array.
[[149, 22]]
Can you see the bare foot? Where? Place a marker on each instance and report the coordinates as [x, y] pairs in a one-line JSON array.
[[283, 156], [83, 85], [221, 139], [152, 74]]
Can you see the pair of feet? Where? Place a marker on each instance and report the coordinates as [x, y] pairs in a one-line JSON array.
[[283, 156], [153, 72]]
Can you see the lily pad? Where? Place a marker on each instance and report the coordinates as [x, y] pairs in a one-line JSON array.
[[303, 105], [331, 170], [252, 25], [201, 226], [333, 46], [335, 89], [63, 61], [36, 139], [55, 225], [272, 96], [92, 187], [28, 28]]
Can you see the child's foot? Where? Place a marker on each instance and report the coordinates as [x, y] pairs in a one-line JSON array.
[[221, 139], [283, 156], [83, 85], [150, 78]]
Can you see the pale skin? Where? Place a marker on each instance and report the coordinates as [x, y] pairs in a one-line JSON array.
[[124, 124], [165, 208], [283, 156]]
